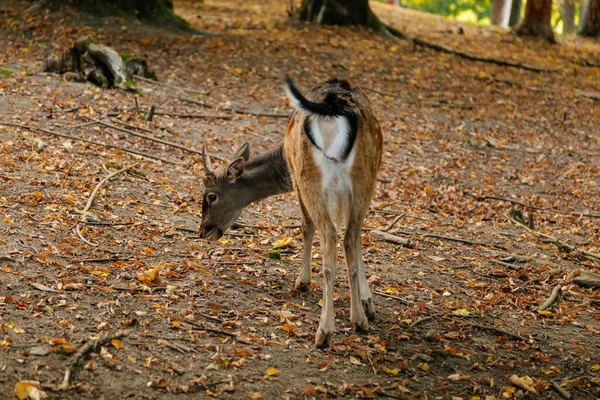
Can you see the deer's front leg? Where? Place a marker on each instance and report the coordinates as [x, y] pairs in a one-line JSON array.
[[308, 234], [327, 324]]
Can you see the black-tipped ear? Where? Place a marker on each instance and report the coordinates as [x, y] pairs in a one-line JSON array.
[[243, 152], [235, 169]]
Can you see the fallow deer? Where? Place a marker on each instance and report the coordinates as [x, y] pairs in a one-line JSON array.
[[330, 156]]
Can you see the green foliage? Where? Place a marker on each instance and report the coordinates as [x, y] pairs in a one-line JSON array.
[[476, 10], [274, 254], [6, 72]]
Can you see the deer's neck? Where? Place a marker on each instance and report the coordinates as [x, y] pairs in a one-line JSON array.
[[265, 175]]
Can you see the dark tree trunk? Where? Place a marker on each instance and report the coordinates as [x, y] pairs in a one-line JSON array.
[[339, 12], [537, 20], [591, 23], [568, 16], [153, 11], [515, 12]]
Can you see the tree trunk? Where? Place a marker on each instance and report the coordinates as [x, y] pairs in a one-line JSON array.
[[537, 20], [500, 12], [591, 23], [153, 11], [568, 16], [515, 12], [339, 12]]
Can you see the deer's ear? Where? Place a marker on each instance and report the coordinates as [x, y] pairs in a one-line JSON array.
[[243, 152], [235, 169]]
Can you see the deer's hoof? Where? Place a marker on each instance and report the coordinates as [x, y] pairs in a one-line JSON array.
[[302, 286], [369, 308], [323, 338], [361, 326]]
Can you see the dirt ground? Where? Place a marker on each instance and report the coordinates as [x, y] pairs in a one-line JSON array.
[[202, 319]]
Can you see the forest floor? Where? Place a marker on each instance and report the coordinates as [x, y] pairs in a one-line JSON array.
[[177, 314]]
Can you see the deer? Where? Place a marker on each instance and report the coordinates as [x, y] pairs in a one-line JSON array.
[[330, 157]]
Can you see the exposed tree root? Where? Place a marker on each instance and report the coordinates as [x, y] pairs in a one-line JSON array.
[[475, 57]]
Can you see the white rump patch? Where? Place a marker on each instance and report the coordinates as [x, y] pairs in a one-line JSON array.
[[336, 184], [331, 134]]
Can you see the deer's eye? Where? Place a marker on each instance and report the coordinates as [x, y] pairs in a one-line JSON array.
[[211, 198]]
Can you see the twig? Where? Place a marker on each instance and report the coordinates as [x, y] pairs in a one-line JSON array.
[[235, 110], [562, 391], [420, 321], [141, 78], [83, 350], [497, 330], [562, 246], [449, 238], [548, 210], [390, 226], [150, 115], [205, 116], [401, 300], [505, 264], [99, 185], [107, 259], [165, 142], [109, 223], [80, 235], [202, 328], [112, 146], [475, 57], [551, 299], [81, 125], [210, 317]]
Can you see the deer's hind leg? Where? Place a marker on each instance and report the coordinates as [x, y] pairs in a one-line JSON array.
[[361, 304], [308, 234]]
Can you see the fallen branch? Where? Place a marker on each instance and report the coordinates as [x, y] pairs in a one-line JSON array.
[[389, 296], [202, 328], [505, 264], [141, 78], [562, 391], [420, 321], [551, 299], [100, 184], [83, 350], [235, 110], [411, 244], [83, 239], [390, 226], [548, 210], [165, 142], [204, 116], [112, 146], [475, 57], [497, 330], [562, 246], [449, 238]]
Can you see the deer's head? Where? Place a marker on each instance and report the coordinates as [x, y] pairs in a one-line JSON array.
[[222, 201]]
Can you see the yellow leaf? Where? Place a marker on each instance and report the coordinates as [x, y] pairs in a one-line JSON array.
[[394, 49], [391, 371], [222, 240], [29, 390], [286, 241], [462, 312], [596, 367], [272, 372], [545, 313], [254, 395], [424, 367], [116, 343]]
